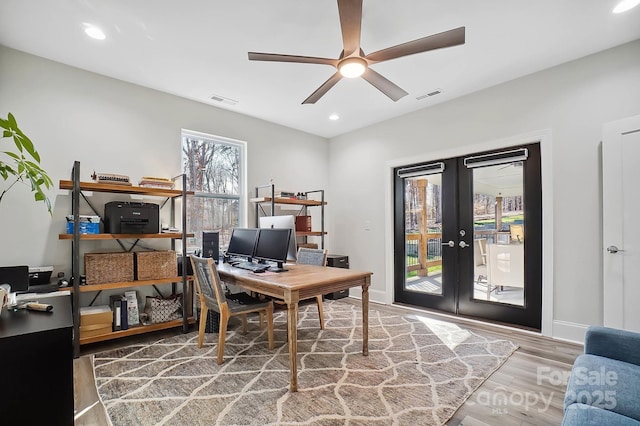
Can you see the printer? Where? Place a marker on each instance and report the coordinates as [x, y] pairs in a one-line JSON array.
[[125, 217]]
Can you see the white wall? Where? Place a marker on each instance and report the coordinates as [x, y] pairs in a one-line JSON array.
[[112, 126], [569, 102], [116, 127]]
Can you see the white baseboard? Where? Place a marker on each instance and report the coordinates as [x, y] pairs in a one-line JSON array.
[[376, 296], [569, 331]]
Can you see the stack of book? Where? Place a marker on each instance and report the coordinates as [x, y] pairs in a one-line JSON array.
[[156, 182]]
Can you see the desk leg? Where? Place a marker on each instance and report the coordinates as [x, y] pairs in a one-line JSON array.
[[365, 316], [292, 334]]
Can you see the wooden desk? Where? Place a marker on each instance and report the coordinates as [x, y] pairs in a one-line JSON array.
[[298, 283]]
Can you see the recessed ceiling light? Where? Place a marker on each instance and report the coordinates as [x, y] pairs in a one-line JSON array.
[[94, 32], [334, 117], [625, 5]]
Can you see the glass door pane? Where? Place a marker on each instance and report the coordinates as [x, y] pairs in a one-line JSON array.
[[423, 234], [498, 233]]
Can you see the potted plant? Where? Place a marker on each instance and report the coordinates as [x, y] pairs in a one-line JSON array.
[[23, 165]]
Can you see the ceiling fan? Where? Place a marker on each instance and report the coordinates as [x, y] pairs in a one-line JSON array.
[[354, 63]]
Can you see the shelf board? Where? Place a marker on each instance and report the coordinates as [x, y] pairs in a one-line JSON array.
[[138, 329], [293, 201], [124, 189], [171, 235], [126, 284], [310, 233]]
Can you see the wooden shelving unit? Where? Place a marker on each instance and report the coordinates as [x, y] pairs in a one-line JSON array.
[[138, 329], [290, 201], [125, 284], [77, 189], [173, 236], [304, 203]]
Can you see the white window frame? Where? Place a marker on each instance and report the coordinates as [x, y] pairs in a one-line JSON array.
[[242, 175]]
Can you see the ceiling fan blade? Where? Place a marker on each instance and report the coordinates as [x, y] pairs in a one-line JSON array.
[[350, 22], [275, 57], [384, 85], [437, 41], [324, 88]]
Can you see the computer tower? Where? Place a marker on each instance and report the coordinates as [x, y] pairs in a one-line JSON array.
[[211, 244], [337, 261]]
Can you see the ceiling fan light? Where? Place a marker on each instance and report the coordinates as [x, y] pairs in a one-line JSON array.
[[352, 67], [625, 5]]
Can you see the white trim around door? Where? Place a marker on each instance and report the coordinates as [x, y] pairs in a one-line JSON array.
[[542, 136]]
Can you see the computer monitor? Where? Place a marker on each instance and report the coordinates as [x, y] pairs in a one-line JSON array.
[[242, 242], [16, 276], [272, 245], [283, 222]]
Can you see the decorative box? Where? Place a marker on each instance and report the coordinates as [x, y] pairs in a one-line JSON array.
[[303, 223], [102, 268]]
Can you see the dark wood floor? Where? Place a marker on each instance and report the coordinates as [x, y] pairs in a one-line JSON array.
[[527, 389]]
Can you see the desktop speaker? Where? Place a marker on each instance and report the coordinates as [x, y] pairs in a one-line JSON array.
[[211, 244]]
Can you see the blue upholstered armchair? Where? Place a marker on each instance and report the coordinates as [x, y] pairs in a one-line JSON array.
[[604, 386]]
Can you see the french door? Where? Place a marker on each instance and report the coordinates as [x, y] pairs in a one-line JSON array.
[[468, 235]]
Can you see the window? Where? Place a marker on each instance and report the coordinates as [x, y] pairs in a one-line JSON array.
[[214, 167]]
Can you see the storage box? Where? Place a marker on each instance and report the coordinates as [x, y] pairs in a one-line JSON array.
[[156, 264], [87, 225], [92, 315], [95, 321], [101, 268], [303, 223], [94, 330]]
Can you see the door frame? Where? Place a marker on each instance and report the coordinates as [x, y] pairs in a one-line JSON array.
[[612, 222], [544, 137]]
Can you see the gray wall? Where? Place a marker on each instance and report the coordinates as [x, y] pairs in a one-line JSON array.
[[571, 101], [115, 127]]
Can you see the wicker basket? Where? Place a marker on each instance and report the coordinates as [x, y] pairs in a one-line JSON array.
[[152, 265], [102, 268]]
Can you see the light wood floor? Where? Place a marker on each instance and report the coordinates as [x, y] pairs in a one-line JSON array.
[[527, 389]]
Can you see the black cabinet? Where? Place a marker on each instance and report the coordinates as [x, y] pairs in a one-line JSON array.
[[338, 261], [36, 350]]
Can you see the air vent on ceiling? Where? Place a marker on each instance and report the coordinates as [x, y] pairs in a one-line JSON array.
[[428, 95], [223, 100]]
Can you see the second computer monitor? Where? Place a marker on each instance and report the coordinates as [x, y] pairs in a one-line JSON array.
[[283, 222], [242, 242], [272, 245]]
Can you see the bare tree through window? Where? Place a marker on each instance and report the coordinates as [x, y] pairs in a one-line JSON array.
[[213, 169]]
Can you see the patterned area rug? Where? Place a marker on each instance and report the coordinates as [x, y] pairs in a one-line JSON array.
[[418, 372]]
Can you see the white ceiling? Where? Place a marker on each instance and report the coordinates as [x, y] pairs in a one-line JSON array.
[[198, 48]]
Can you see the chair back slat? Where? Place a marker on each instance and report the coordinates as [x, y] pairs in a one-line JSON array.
[[208, 281], [309, 256]]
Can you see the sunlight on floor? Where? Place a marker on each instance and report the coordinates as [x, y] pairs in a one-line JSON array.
[[450, 334]]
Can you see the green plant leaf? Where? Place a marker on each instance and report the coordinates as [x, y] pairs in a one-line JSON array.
[[28, 145], [12, 154], [16, 140], [24, 169], [12, 121]]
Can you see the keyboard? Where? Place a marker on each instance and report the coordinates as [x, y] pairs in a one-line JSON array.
[[250, 266]]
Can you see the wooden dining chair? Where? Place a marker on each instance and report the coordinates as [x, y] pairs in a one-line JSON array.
[[212, 296], [318, 257], [309, 256]]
